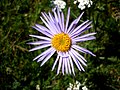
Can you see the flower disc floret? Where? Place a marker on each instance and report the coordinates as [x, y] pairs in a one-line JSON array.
[[61, 42]]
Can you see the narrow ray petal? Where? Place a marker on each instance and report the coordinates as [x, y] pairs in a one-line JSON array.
[[40, 47], [78, 34], [59, 66], [57, 24], [39, 42], [71, 26], [82, 50], [80, 56], [62, 15], [52, 23], [43, 32], [45, 17], [66, 65], [48, 57], [55, 62], [74, 59], [74, 23], [83, 28], [50, 27], [45, 22], [42, 28], [87, 35], [78, 27], [76, 54], [69, 68], [67, 20], [59, 18], [45, 52], [53, 20], [79, 39], [41, 37], [71, 63], [43, 55], [55, 15], [55, 27], [51, 17], [81, 66], [63, 66], [79, 17]]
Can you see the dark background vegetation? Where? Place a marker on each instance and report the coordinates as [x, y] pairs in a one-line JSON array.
[[19, 72]]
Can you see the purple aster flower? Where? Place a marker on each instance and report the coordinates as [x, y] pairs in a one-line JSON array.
[[62, 40]]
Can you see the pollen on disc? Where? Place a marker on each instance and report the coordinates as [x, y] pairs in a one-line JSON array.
[[61, 42]]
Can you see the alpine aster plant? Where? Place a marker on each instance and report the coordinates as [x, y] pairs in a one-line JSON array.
[[62, 39]]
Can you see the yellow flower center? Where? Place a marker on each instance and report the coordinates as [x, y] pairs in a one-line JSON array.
[[61, 42]]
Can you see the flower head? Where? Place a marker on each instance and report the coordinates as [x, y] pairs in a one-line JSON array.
[[75, 86], [63, 40], [60, 4], [84, 88], [83, 3]]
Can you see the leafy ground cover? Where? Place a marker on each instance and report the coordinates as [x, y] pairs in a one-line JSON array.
[[19, 72]]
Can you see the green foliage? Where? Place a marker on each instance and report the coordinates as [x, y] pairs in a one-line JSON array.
[[19, 72]]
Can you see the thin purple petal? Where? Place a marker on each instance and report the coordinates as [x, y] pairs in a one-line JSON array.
[[55, 62], [69, 68], [48, 57], [74, 59], [45, 52], [74, 23], [49, 26], [43, 31], [71, 63], [77, 56], [66, 65], [59, 66], [67, 20], [79, 39], [40, 47], [39, 42], [41, 37], [82, 50], [87, 35], [63, 67], [81, 29]]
